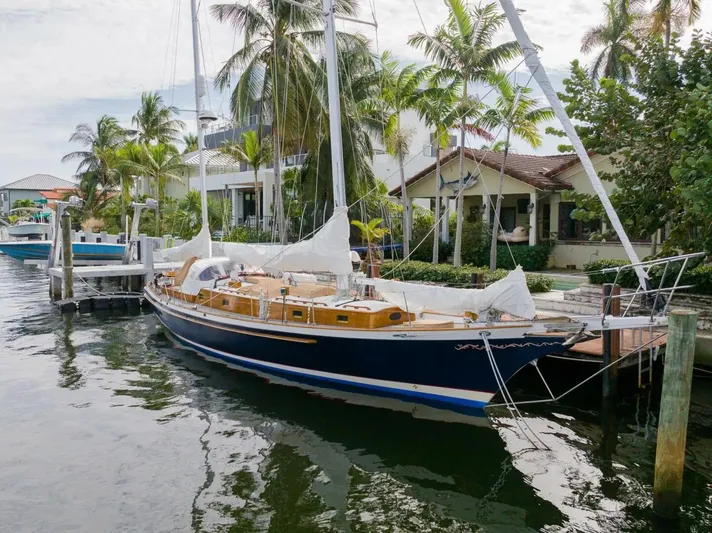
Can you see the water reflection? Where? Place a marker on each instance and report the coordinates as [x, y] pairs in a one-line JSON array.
[[70, 376]]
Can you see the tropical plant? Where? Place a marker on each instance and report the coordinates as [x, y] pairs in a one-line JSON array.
[[615, 37], [520, 115], [400, 90], [438, 108], [24, 202], [154, 120], [253, 150], [184, 218], [127, 152], [669, 15], [371, 234], [190, 141], [462, 48], [99, 143], [159, 163], [94, 197], [276, 72]]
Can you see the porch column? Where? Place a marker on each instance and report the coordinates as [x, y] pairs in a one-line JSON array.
[[554, 215], [445, 227], [533, 219], [240, 206], [485, 210], [234, 207]]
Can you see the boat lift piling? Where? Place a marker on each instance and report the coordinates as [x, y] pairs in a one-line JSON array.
[[674, 412], [67, 256], [611, 340]]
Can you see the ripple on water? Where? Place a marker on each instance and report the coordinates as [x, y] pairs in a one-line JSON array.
[[107, 426]]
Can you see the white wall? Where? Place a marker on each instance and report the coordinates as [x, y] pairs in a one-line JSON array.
[[580, 253]]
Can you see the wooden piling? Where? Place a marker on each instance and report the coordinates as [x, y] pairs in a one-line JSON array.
[[611, 340], [67, 256], [674, 410]]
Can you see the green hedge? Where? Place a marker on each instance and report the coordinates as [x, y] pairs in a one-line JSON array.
[[695, 274], [450, 275]]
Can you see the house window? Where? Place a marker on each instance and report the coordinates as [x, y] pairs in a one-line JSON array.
[[575, 230], [243, 167]]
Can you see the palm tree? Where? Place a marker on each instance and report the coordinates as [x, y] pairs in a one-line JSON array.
[[190, 140], [95, 197], [438, 108], [624, 21], [462, 48], [255, 151], [519, 115], [371, 233], [276, 71], [154, 120], [160, 163], [401, 89], [129, 151], [675, 14], [99, 143]]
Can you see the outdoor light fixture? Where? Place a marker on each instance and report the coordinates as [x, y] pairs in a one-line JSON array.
[[530, 208], [483, 208]]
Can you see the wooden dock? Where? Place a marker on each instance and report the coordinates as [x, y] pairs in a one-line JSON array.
[[630, 340], [115, 271]]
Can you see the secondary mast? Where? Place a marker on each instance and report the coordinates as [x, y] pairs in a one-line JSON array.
[[202, 117], [539, 73]]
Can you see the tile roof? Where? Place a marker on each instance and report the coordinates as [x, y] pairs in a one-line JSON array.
[[213, 158], [536, 170], [55, 194], [39, 182]]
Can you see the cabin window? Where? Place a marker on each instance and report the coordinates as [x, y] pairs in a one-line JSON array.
[[200, 296], [342, 318], [297, 314], [226, 303], [395, 316]]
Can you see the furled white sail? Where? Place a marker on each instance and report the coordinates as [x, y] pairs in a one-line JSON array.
[[327, 251], [198, 246], [509, 295]]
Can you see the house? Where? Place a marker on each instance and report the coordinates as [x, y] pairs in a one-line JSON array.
[[534, 198], [228, 178], [30, 187]]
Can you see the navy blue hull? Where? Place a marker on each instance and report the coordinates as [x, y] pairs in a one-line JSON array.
[[359, 363]]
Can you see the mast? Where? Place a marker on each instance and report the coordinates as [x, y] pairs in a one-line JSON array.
[[199, 92], [539, 73], [332, 78]]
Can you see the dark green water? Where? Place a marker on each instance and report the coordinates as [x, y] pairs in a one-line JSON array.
[[106, 426]]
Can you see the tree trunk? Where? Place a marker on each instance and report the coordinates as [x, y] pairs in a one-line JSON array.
[[278, 211], [257, 201], [457, 260], [436, 231], [668, 30], [404, 197], [495, 225]]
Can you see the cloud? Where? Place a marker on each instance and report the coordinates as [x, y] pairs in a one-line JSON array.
[[70, 61]]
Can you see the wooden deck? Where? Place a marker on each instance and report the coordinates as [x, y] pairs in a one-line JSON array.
[[628, 343]]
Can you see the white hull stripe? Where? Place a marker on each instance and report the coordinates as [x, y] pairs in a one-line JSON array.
[[443, 394]]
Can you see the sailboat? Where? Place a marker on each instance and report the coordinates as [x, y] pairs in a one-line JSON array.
[[299, 311]]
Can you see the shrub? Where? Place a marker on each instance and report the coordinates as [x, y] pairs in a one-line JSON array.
[[243, 234], [698, 275], [531, 258], [456, 276]]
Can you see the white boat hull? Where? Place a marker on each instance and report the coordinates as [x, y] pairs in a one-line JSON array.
[[28, 229]]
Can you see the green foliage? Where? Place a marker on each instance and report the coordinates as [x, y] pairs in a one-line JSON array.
[[458, 276], [24, 202], [154, 120], [531, 258], [657, 133], [243, 234], [698, 275]]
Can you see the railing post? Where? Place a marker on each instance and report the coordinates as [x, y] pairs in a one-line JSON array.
[[67, 257], [674, 411], [611, 340]]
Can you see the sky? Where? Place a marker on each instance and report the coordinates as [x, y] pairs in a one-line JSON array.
[[63, 62]]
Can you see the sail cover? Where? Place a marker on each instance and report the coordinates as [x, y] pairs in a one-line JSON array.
[[509, 295], [198, 246], [327, 251]]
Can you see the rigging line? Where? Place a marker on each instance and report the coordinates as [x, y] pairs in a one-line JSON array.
[[175, 55], [232, 53], [415, 3], [430, 144], [210, 38], [168, 43], [205, 68]]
